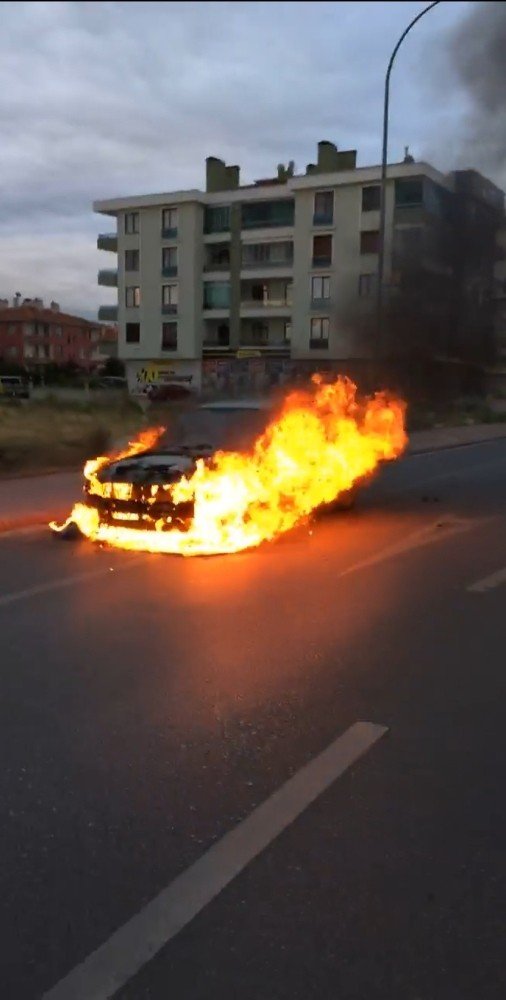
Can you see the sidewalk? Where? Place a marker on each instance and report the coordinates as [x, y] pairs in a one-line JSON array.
[[453, 437], [36, 500]]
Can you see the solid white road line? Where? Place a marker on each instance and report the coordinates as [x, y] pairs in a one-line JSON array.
[[488, 583], [108, 968], [66, 581], [437, 531]]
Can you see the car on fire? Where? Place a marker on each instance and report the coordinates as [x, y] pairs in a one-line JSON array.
[[129, 491]]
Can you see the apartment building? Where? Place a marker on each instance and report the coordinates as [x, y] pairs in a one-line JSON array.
[[33, 335], [247, 282]]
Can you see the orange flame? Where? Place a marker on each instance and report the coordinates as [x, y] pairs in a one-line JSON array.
[[318, 447]]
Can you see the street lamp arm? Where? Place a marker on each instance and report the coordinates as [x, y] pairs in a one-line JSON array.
[[384, 158]]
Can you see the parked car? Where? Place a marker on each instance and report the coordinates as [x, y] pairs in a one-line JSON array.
[[14, 387], [110, 382], [165, 392]]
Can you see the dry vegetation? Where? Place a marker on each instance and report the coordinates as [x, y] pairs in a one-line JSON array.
[[52, 435]]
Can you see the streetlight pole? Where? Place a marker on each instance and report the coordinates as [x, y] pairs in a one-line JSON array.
[[384, 158]]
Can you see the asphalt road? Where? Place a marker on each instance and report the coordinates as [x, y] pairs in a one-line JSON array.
[[150, 704]]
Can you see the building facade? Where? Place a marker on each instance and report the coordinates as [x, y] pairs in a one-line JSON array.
[[251, 281], [33, 336]]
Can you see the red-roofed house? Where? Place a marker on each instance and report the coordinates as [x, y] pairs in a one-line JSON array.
[[33, 335]]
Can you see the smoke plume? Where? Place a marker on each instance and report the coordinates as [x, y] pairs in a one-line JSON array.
[[477, 52]]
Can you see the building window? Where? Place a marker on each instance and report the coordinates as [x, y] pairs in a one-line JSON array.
[[131, 223], [319, 339], [323, 208], [287, 332], [261, 214], [369, 241], [217, 219], [408, 193], [217, 257], [133, 333], [58, 331], [132, 296], [216, 295], [289, 293], [320, 287], [367, 285], [28, 329], [169, 220], [371, 198], [169, 337], [169, 261], [169, 298], [322, 251], [131, 260], [12, 328], [273, 254]]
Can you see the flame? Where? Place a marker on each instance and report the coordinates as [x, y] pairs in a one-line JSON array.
[[143, 442], [321, 443]]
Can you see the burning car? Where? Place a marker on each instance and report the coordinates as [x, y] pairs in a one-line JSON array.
[[228, 476], [134, 490]]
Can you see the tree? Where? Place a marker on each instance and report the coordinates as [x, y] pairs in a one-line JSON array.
[[114, 367]]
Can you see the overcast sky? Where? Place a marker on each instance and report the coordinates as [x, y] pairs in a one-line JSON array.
[[106, 99]]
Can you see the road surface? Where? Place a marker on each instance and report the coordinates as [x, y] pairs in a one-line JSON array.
[[150, 705]]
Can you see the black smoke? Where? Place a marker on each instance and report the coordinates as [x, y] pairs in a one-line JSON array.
[[477, 52]]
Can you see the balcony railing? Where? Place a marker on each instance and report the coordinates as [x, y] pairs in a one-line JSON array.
[[108, 278], [318, 344], [322, 261], [323, 218], [213, 265], [169, 233], [170, 272], [265, 303], [213, 343], [169, 309], [108, 241], [108, 313], [320, 304], [259, 264]]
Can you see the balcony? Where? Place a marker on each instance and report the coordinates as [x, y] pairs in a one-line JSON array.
[[216, 336], [323, 219], [217, 257], [108, 241], [169, 233], [267, 214], [170, 272], [108, 278], [317, 344], [108, 314], [269, 336], [321, 305], [321, 261], [169, 309]]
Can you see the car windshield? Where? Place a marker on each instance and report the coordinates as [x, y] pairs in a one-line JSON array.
[[227, 429]]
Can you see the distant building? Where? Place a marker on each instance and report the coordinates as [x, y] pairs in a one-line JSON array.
[[107, 346], [33, 335], [244, 284]]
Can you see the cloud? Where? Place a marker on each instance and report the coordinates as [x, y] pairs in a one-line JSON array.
[[105, 99]]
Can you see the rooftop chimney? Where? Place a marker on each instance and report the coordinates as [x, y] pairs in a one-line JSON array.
[[55, 307]]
